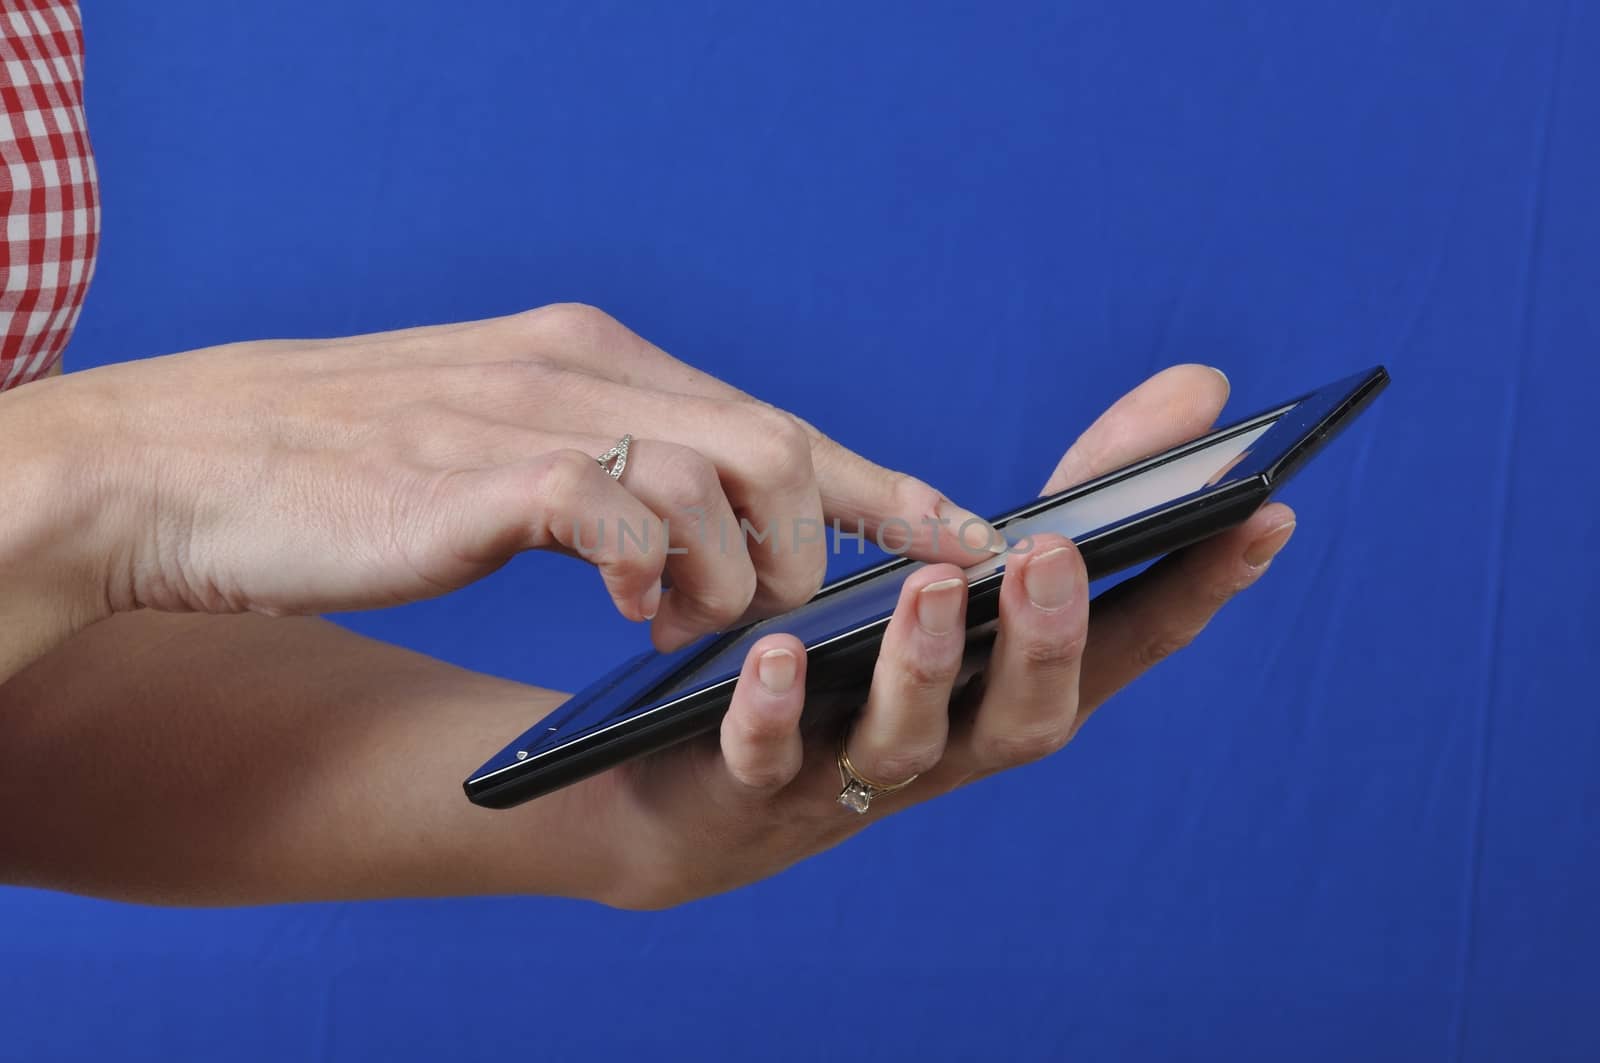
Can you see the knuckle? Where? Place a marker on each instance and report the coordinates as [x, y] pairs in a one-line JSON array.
[[794, 585], [912, 495], [764, 774], [759, 758], [625, 555], [1152, 651], [1215, 595], [1011, 748], [687, 479], [929, 673], [750, 730], [561, 474], [898, 765], [779, 448], [725, 602], [567, 319], [1052, 655]]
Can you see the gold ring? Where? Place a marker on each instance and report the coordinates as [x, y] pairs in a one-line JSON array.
[[857, 791]]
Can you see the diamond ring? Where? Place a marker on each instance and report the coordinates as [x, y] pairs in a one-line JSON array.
[[615, 460], [857, 791]]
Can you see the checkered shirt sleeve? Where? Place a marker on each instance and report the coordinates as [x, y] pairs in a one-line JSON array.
[[48, 197]]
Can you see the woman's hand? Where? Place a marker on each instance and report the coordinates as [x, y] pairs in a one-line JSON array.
[[289, 760], [313, 476], [713, 814]]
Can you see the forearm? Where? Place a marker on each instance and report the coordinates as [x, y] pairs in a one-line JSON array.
[[238, 760]]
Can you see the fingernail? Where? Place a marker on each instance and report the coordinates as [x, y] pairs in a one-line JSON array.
[[650, 604], [1266, 548], [971, 532], [1225, 381], [1048, 579], [776, 670], [939, 604]]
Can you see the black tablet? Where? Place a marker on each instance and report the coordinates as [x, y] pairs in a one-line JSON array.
[[1123, 518]]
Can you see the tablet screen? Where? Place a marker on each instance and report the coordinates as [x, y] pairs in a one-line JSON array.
[[836, 613]]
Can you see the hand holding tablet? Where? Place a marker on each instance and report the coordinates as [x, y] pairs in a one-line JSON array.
[[1118, 519]]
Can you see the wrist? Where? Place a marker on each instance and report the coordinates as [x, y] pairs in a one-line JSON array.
[[567, 846], [51, 569]]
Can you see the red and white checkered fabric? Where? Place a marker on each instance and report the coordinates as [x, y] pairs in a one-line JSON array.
[[47, 185]]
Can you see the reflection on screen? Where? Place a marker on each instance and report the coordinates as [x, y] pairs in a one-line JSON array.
[[874, 599]]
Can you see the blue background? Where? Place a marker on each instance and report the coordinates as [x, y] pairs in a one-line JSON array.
[[1356, 821]]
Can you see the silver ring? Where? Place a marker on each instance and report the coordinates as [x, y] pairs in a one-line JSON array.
[[615, 460], [857, 791]]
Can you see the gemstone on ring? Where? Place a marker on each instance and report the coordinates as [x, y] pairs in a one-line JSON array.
[[615, 460], [855, 797], [856, 790]]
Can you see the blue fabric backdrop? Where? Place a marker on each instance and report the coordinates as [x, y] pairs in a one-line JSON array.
[[1356, 821]]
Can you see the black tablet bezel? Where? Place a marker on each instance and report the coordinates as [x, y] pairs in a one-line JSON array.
[[537, 762]]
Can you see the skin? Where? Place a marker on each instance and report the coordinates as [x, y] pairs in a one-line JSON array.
[[303, 477], [231, 759]]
